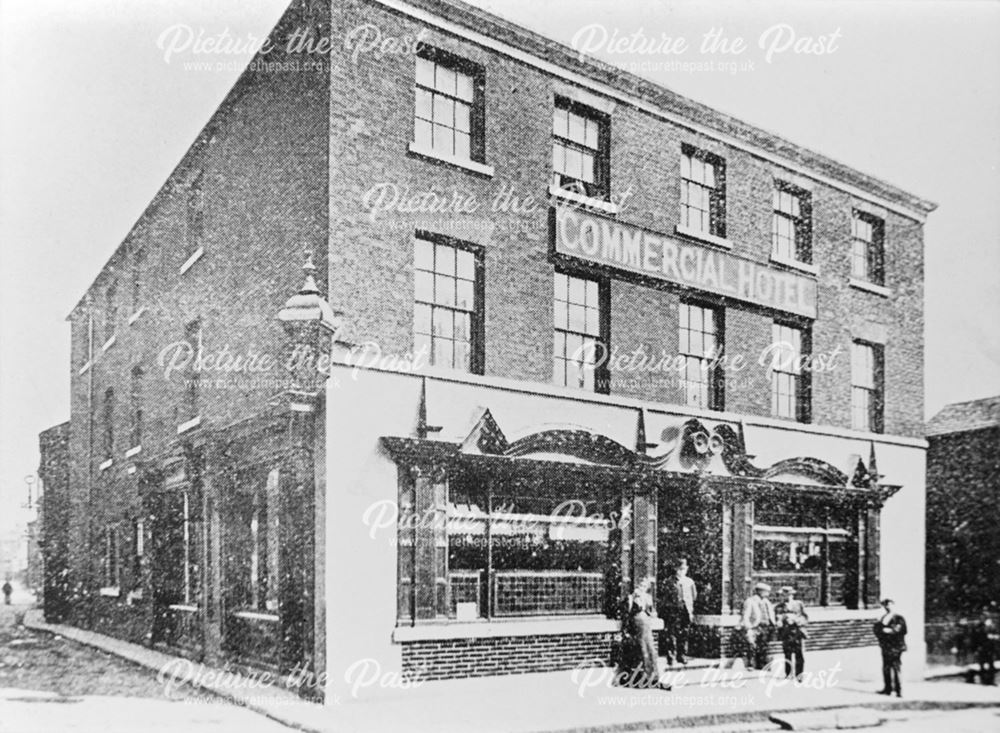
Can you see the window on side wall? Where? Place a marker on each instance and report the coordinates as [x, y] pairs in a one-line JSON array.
[[108, 418], [195, 213], [135, 398], [112, 557], [192, 375]]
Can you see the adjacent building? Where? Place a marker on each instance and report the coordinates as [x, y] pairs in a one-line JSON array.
[[560, 328], [963, 486], [53, 522]]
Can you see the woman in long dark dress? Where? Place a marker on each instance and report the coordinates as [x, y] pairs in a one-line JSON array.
[[640, 661]]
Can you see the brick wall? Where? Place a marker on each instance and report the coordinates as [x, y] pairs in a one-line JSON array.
[[263, 163], [454, 658], [963, 479], [714, 641], [370, 132]]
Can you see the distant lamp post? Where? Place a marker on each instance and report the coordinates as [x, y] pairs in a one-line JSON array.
[[30, 481]]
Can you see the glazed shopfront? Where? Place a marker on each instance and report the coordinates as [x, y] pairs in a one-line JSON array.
[[513, 554]]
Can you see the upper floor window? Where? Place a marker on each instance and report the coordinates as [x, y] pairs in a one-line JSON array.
[[195, 213], [789, 380], [703, 192], [867, 242], [580, 157], [135, 398], [138, 264], [193, 337], [448, 115], [89, 336], [108, 420], [110, 310], [701, 347], [791, 235], [580, 333], [866, 386], [447, 309]]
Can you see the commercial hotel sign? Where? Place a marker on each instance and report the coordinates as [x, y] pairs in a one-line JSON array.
[[625, 247]]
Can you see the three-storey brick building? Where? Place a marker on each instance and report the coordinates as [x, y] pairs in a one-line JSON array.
[[589, 328]]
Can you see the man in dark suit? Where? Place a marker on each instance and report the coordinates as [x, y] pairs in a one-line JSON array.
[[890, 630], [680, 596], [792, 619]]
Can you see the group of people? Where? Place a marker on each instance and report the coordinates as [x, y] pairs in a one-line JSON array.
[[788, 618], [760, 621]]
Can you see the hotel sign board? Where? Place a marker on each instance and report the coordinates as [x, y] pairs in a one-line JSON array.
[[603, 241]]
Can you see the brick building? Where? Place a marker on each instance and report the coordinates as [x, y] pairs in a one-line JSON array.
[[558, 290], [963, 481], [53, 520]]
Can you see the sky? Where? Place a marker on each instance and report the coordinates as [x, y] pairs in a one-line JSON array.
[[93, 117]]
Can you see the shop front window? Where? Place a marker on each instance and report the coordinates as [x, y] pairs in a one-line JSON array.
[[517, 550], [806, 545]]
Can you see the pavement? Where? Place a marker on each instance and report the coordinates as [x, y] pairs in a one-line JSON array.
[[49, 684], [578, 700]]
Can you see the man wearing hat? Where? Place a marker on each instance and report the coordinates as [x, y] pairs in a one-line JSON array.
[[890, 630], [680, 595], [757, 623], [792, 619]]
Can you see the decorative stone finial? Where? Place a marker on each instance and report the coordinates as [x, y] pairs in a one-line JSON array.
[[307, 304]]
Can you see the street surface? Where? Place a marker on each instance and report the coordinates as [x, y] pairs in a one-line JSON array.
[[53, 685], [977, 720]]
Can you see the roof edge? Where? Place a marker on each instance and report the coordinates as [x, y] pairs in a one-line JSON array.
[[482, 22]]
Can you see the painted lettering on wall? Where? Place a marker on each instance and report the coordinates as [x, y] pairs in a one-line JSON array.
[[626, 247]]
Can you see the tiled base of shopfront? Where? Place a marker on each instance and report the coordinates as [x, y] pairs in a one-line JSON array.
[[441, 659], [458, 658]]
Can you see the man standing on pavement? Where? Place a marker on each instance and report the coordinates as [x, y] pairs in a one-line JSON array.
[[792, 619], [681, 593], [890, 630], [757, 623], [7, 590]]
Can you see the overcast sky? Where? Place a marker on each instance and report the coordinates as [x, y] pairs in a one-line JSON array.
[[93, 119]]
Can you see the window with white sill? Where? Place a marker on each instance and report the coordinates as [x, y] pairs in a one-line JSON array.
[[703, 192], [580, 150], [867, 248], [449, 104], [791, 224]]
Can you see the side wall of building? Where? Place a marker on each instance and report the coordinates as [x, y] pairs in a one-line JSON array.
[[256, 183]]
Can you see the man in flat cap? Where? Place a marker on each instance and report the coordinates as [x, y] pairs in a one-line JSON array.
[[890, 630], [792, 619], [758, 622]]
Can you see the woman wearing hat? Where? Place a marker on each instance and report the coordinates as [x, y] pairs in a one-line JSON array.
[[640, 661]]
